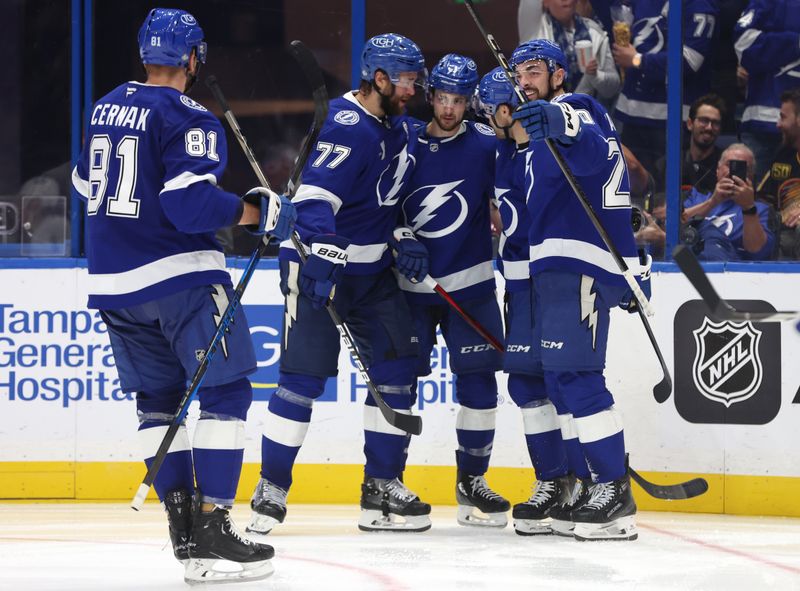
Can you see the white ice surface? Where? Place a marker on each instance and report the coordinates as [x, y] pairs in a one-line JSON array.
[[86, 547]]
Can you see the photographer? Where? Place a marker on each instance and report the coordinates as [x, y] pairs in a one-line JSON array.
[[729, 224]]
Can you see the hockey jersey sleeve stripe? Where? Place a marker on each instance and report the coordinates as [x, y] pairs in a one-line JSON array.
[[693, 58], [598, 426], [308, 192], [514, 270], [155, 272], [641, 108], [582, 251], [285, 431], [213, 433], [150, 439], [185, 179], [81, 185], [744, 42], [374, 421], [365, 253], [455, 281], [761, 113]]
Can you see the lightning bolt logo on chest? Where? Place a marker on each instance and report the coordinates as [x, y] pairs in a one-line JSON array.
[[437, 197], [588, 310]]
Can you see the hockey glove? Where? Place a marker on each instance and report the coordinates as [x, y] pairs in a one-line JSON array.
[[543, 120], [628, 301], [277, 216], [410, 255], [324, 268]]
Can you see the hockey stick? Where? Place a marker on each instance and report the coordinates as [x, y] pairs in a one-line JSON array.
[[671, 492], [233, 304], [664, 387], [719, 308], [431, 283], [405, 422]]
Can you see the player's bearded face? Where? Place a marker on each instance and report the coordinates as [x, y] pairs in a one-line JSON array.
[[397, 93], [448, 109], [535, 79]]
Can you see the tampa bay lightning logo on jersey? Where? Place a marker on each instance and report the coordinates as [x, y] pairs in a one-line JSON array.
[[648, 36], [484, 129], [393, 177], [347, 117], [434, 211], [192, 104], [508, 212]]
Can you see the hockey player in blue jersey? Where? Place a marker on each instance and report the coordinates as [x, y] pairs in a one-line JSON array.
[[347, 211], [555, 453], [575, 279], [446, 205], [148, 173]]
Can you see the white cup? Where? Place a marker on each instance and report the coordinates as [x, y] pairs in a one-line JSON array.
[[583, 51]]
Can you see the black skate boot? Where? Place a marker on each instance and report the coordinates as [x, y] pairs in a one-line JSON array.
[[214, 538], [178, 505], [388, 505], [560, 516], [269, 507], [608, 514], [472, 492], [532, 517]]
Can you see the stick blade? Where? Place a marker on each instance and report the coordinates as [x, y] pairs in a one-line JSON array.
[[409, 423], [671, 492], [663, 389]]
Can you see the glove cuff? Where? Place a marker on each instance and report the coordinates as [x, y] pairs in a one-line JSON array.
[[403, 233]]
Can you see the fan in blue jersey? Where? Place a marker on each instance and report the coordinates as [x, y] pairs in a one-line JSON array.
[[148, 173], [347, 209], [447, 206], [575, 279], [561, 469]]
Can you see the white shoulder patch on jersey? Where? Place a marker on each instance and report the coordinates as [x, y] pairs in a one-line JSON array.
[[746, 19], [585, 116], [347, 117], [192, 104], [484, 129]]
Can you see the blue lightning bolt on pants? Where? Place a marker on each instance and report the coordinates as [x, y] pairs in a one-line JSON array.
[[156, 347], [571, 322]]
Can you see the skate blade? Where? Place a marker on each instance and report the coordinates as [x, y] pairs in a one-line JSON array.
[[205, 571], [532, 527], [474, 517], [375, 520], [261, 524], [623, 529], [562, 528]]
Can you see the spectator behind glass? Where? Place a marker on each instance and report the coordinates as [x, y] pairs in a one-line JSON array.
[[768, 47], [561, 23], [729, 224], [700, 161], [642, 105], [781, 185]]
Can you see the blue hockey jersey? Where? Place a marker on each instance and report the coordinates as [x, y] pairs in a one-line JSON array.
[[561, 235], [352, 183], [644, 95], [768, 46], [509, 194], [446, 204], [148, 172]]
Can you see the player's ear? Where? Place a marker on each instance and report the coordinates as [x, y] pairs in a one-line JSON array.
[[557, 79], [382, 80]]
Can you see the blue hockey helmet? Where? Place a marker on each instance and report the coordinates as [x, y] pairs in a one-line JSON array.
[[494, 90], [168, 36], [540, 49], [455, 74], [393, 54]]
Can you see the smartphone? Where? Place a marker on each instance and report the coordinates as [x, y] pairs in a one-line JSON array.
[[737, 168]]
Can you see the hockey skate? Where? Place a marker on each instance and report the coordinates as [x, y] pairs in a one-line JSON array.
[[532, 517], [269, 507], [178, 505], [388, 505], [478, 504], [560, 516], [219, 554], [608, 514]]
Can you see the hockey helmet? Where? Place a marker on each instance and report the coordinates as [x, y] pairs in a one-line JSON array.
[[168, 36], [455, 74], [540, 49], [494, 90], [393, 54]]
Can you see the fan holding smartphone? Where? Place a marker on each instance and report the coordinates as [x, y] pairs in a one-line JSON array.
[[728, 224]]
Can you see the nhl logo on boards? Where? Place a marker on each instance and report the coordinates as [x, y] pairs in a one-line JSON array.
[[726, 372], [727, 367]]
